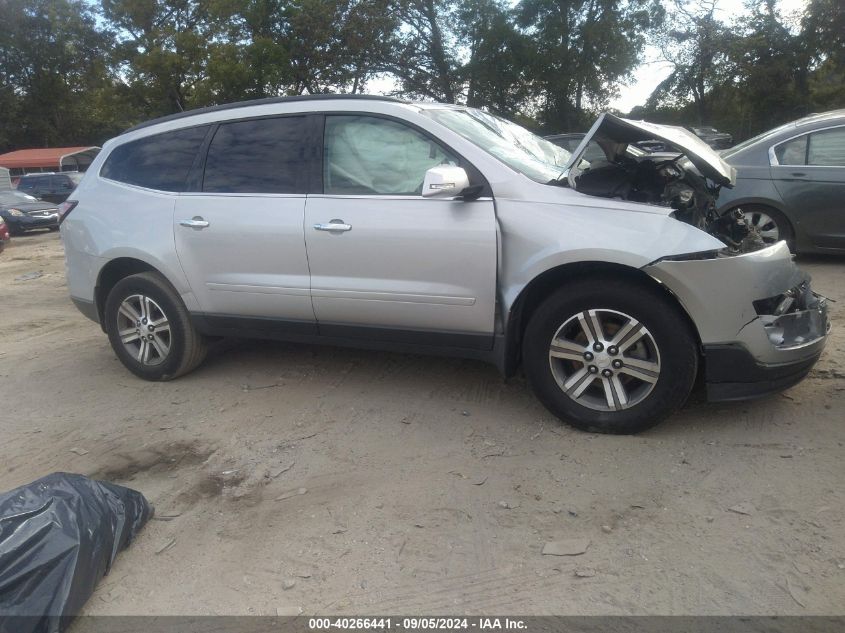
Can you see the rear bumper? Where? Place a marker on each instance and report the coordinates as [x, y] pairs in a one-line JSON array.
[[88, 308], [732, 373]]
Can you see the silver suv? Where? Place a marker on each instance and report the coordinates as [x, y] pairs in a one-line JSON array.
[[437, 228]]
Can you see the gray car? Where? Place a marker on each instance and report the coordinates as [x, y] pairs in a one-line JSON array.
[[791, 183], [444, 229]]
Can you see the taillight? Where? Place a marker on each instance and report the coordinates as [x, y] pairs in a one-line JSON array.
[[65, 208]]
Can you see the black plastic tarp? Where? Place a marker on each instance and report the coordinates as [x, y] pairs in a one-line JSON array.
[[59, 536]]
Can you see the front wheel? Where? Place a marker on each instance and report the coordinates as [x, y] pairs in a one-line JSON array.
[[150, 329], [771, 224], [608, 356]]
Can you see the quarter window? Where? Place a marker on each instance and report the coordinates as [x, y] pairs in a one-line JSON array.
[[827, 148], [257, 156], [366, 155], [158, 162], [793, 152]]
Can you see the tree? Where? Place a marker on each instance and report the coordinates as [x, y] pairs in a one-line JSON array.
[[583, 49], [498, 55], [53, 68], [163, 50], [423, 56], [695, 42]]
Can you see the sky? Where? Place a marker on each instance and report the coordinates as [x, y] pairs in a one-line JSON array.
[[653, 70]]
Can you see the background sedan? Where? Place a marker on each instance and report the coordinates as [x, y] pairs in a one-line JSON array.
[[22, 212], [791, 183]]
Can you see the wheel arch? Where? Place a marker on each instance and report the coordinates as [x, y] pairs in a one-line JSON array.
[[539, 288], [115, 270]]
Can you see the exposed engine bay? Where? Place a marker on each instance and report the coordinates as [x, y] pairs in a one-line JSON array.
[[666, 182], [687, 180]]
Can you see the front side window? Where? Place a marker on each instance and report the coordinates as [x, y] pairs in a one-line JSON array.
[[257, 156], [366, 155], [158, 162], [827, 148]]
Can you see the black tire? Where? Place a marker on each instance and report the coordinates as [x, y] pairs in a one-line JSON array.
[[187, 347], [670, 335], [753, 213]]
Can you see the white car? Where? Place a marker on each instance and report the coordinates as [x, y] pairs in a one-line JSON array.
[[381, 223]]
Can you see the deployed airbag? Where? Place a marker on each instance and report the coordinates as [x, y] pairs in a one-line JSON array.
[[59, 536]]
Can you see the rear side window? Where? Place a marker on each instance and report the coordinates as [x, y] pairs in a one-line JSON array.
[[257, 156], [827, 148], [158, 162], [61, 183]]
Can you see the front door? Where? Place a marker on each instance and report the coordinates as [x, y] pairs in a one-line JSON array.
[[239, 235], [387, 263]]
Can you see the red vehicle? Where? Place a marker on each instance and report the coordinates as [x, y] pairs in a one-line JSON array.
[[4, 235]]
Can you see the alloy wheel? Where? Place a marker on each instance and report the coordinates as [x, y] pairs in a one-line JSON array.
[[144, 329], [604, 359]]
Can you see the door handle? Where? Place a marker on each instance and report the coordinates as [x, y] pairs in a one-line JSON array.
[[333, 225], [197, 222]]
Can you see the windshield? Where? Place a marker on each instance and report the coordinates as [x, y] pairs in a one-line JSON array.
[[15, 197], [515, 146]]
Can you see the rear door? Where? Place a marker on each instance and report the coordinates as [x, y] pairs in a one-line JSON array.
[[398, 267], [238, 232], [809, 173]]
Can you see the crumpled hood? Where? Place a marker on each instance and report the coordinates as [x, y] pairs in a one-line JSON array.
[[613, 134]]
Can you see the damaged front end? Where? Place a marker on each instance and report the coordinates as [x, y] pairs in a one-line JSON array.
[[687, 180], [794, 318], [761, 326]]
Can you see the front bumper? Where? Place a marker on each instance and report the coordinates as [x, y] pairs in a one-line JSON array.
[[731, 373], [27, 223], [761, 326]]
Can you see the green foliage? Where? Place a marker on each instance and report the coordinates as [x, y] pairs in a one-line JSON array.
[[753, 74], [583, 49], [72, 72], [52, 57]]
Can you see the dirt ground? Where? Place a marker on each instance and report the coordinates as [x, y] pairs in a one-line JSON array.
[[294, 479]]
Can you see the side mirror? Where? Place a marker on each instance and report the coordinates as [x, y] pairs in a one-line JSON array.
[[444, 181]]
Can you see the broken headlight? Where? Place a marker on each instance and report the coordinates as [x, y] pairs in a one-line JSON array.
[[794, 318]]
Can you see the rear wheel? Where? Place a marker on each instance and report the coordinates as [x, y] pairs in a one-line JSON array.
[[610, 357], [150, 329]]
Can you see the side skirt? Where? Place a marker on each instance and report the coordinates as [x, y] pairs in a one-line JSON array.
[[484, 347]]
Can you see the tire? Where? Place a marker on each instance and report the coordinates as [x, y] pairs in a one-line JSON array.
[[772, 224], [638, 397], [176, 348]]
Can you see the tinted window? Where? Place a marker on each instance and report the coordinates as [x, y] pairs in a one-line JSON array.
[[36, 182], [62, 183], [368, 155], [827, 148], [258, 156], [158, 162], [793, 152]]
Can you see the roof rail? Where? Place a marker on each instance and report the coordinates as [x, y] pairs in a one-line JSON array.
[[256, 102]]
